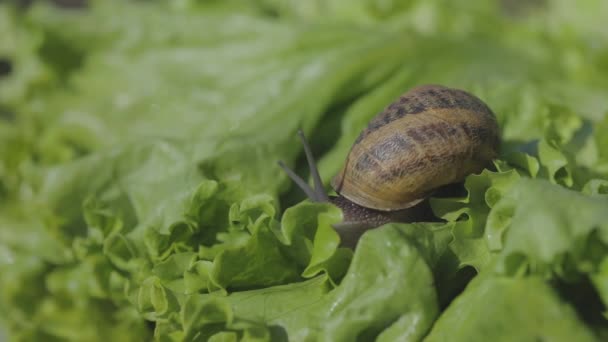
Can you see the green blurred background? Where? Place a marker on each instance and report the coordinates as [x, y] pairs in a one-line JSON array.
[[115, 114]]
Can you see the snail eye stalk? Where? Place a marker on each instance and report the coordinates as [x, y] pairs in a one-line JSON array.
[[318, 193]]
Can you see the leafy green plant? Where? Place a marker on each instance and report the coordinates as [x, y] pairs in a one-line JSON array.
[[140, 197]]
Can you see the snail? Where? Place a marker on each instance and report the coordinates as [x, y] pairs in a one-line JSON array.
[[429, 137]]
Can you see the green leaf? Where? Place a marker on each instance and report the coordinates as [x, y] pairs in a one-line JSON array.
[[550, 223], [326, 255], [378, 290], [201, 319], [259, 262], [508, 309], [299, 225], [474, 244]]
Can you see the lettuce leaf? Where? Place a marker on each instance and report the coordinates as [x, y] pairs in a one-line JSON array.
[[564, 235], [513, 308], [385, 293]]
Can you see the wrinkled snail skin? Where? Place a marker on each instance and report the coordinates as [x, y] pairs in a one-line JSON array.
[[429, 137], [357, 219]]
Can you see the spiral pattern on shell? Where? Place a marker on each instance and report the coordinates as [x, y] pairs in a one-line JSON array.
[[429, 137]]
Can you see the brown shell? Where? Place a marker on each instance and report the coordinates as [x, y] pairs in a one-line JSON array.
[[429, 137]]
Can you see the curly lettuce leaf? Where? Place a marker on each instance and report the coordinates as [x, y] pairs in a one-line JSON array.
[[387, 286], [472, 243], [551, 229]]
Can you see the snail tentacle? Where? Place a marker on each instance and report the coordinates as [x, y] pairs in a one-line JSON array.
[[310, 193], [319, 190], [317, 194]]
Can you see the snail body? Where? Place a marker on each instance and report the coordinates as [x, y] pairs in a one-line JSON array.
[[429, 137]]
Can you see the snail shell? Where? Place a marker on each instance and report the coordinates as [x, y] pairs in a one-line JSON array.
[[429, 137]]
